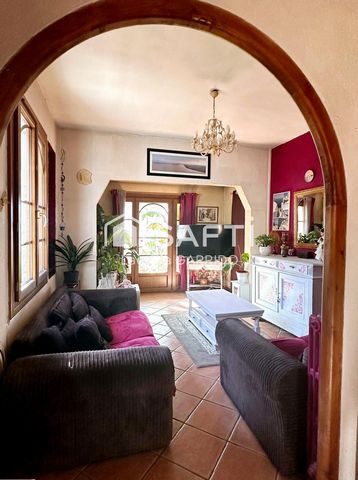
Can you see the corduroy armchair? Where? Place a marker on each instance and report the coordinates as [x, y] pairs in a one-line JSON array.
[[269, 388]]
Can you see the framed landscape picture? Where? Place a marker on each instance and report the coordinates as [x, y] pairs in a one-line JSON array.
[[281, 211], [173, 163], [207, 214]]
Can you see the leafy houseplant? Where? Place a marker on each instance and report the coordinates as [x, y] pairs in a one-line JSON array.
[[310, 237], [71, 256], [241, 274], [264, 243], [116, 261]]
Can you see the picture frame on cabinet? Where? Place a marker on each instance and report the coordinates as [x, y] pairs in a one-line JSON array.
[[281, 211]]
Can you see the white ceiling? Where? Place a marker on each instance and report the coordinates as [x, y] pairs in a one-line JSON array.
[[155, 79]]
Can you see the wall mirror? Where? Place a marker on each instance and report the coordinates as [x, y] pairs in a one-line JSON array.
[[308, 217]]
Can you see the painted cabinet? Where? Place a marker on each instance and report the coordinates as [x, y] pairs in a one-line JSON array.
[[288, 289]]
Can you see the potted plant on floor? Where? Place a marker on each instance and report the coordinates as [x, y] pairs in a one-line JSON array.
[[264, 243], [71, 256], [114, 265]]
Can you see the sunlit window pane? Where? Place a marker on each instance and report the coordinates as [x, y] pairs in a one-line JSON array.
[[153, 219], [153, 264], [26, 265]]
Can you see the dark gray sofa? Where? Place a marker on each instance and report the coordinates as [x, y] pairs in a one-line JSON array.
[[269, 388], [67, 409]]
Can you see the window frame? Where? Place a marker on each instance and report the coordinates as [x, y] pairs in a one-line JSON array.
[[19, 298]]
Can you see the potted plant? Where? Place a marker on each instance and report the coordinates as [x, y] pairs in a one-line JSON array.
[[114, 264], [242, 275], [264, 243], [71, 256]]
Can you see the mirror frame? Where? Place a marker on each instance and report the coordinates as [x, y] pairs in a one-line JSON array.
[[298, 194]]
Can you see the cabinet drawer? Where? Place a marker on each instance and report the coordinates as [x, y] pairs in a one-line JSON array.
[[208, 330], [293, 267], [268, 262]]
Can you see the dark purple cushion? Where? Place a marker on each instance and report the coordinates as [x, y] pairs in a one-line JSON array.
[[101, 323], [69, 334], [61, 310], [88, 336], [292, 346], [50, 340], [79, 306]]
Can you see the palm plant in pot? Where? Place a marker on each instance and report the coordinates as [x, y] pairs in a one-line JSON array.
[[71, 256], [264, 243]]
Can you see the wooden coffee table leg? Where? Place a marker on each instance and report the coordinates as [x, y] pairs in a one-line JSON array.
[[257, 325]]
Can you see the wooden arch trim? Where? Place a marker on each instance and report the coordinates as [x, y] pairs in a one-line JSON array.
[[104, 15]]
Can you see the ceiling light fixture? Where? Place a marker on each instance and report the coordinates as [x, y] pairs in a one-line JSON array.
[[214, 139]]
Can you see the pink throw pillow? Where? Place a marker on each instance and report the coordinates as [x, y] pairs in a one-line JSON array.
[[128, 326], [292, 346]]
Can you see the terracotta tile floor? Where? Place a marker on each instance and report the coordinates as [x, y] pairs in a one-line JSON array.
[[210, 439]]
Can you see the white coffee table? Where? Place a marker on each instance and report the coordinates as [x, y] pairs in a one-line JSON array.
[[207, 307]]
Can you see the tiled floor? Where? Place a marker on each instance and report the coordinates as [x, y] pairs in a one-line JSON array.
[[210, 439]]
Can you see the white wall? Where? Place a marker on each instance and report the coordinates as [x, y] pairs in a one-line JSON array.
[[124, 158], [322, 38], [9, 329]]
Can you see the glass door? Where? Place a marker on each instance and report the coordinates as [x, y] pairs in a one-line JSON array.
[[156, 235]]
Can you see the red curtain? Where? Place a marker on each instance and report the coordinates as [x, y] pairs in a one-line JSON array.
[[187, 217], [238, 218], [118, 201]]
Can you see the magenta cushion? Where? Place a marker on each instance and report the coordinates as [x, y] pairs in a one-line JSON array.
[[292, 346], [138, 342], [129, 327]]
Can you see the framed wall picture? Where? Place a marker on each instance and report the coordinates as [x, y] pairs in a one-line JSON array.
[[207, 214], [281, 211], [173, 163]]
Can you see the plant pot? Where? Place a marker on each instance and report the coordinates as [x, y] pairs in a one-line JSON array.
[[71, 278], [242, 277], [265, 251]]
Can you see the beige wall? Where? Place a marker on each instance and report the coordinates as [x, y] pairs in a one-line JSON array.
[[123, 157], [212, 196], [9, 329], [321, 36]]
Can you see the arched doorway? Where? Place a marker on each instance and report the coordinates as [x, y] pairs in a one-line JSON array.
[[105, 15]]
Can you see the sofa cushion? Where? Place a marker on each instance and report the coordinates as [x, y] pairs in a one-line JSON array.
[[149, 341], [80, 307], [60, 311], [50, 340], [128, 326], [101, 323], [292, 346], [88, 336], [69, 334]]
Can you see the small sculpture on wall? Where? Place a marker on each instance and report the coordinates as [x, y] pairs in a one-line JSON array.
[[84, 176], [320, 245]]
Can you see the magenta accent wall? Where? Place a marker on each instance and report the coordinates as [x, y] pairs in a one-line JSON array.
[[289, 162]]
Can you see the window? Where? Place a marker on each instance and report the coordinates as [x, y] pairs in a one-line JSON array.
[[28, 165]]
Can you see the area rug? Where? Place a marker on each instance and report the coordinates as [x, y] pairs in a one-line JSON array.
[[201, 351]]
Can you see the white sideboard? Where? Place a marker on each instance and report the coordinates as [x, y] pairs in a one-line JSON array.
[[289, 289]]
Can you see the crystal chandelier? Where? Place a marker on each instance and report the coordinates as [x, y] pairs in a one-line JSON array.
[[215, 138]]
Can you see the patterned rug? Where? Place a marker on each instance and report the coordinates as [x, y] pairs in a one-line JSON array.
[[201, 351]]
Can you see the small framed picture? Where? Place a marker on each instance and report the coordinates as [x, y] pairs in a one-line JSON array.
[[173, 163], [281, 211], [207, 214]]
